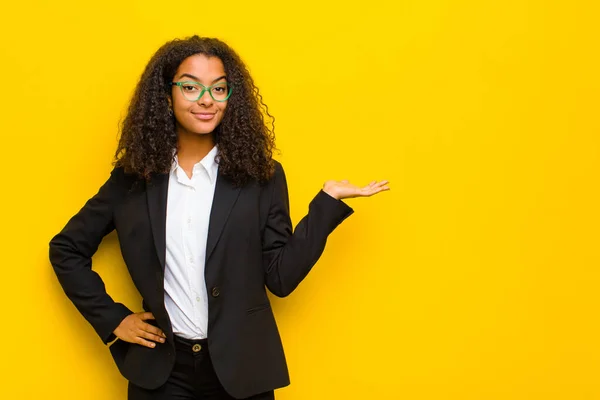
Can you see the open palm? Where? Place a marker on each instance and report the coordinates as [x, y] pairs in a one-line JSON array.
[[344, 189]]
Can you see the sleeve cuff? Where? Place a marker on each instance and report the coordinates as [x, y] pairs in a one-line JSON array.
[[335, 210], [119, 314]]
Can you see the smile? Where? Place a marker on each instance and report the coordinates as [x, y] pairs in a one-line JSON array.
[[204, 116]]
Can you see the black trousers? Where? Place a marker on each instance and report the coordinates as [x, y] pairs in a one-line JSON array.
[[193, 378]]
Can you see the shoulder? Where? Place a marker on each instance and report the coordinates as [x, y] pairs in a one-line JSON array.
[[118, 175], [276, 180], [278, 168], [279, 172], [278, 176], [123, 181]]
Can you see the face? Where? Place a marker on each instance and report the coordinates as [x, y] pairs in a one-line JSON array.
[[201, 116]]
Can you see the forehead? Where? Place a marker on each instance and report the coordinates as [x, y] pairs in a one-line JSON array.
[[203, 67]]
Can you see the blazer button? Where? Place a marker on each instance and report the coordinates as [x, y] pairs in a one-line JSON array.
[[215, 292]]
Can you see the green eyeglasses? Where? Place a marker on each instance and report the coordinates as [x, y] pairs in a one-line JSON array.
[[193, 91]]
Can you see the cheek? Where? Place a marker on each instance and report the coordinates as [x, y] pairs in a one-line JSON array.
[[222, 109], [180, 113], [179, 104], [174, 98]]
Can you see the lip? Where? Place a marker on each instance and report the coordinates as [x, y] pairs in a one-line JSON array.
[[204, 116]]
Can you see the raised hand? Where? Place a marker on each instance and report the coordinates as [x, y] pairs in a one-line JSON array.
[[344, 189]]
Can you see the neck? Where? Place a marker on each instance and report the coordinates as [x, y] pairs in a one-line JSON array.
[[192, 148]]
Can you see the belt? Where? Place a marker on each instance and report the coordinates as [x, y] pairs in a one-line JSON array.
[[191, 346]]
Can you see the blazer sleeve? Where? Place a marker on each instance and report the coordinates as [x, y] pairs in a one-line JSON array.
[[71, 254], [288, 254]]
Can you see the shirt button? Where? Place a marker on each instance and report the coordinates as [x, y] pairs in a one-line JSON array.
[[197, 298], [191, 260]]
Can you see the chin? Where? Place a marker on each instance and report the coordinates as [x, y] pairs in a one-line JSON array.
[[203, 129], [202, 132]]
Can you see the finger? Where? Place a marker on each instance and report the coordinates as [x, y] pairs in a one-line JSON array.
[[146, 315], [345, 181], [368, 186], [154, 330], [374, 190], [379, 190], [144, 342], [152, 337]]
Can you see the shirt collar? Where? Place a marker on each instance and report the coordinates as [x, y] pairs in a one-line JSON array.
[[209, 163]]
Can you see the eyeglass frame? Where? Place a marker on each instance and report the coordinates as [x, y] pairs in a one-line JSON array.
[[204, 90]]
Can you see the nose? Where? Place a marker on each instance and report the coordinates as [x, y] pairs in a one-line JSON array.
[[205, 99]]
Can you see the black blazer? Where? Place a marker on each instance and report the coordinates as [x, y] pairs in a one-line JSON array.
[[251, 244]]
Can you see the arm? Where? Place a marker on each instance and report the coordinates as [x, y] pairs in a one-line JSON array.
[[289, 255], [71, 257]]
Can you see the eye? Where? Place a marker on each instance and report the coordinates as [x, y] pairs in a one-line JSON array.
[[190, 88]]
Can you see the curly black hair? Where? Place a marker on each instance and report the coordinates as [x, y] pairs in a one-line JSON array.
[[148, 134]]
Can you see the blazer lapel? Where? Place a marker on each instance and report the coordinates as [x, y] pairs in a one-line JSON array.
[[157, 190], [225, 197]]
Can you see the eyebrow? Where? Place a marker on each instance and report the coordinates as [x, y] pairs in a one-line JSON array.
[[198, 79]]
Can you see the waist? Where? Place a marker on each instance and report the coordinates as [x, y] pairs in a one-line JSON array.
[[191, 346]]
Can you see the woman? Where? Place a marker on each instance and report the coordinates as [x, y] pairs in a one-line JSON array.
[[201, 212]]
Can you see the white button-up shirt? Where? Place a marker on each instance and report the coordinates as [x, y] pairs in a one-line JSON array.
[[189, 203]]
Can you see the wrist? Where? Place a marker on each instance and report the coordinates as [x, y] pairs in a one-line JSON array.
[[331, 192]]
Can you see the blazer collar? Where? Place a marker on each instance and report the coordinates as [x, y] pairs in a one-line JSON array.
[[157, 190], [226, 194]]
